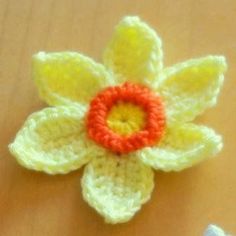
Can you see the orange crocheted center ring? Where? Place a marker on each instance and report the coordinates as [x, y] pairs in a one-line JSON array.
[[143, 98]]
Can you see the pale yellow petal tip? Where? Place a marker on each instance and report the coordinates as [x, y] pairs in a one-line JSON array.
[[182, 147], [218, 143], [21, 158], [135, 20], [37, 60], [131, 18], [12, 149], [220, 63], [40, 56], [134, 52], [217, 63], [52, 141], [20, 154], [65, 78], [117, 188]]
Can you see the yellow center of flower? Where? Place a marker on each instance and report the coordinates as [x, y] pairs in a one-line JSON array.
[[126, 118]]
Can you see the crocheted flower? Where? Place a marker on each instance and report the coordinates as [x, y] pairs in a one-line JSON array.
[[123, 119]]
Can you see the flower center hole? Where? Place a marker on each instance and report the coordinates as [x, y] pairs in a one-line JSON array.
[[126, 118]]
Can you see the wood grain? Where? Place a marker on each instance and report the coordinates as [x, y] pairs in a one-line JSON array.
[[182, 203]]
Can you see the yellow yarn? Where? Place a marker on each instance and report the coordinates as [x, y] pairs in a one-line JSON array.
[[55, 139], [181, 147], [117, 187], [134, 52], [63, 78], [126, 118], [190, 87]]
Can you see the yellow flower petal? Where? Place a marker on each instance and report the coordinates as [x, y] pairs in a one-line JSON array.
[[66, 77], [190, 87], [134, 53], [117, 186], [53, 140], [182, 146]]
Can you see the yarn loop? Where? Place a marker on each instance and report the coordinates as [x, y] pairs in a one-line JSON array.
[[127, 133]]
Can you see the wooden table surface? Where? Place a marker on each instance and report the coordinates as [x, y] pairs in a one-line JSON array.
[[35, 204]]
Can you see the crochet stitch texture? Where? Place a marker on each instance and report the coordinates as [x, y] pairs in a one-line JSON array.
[[56, 140]]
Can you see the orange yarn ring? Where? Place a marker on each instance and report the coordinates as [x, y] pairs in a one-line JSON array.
[[139, 95]]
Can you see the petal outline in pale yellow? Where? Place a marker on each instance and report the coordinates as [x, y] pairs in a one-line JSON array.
[[54, 140], [63, 78], [182, 146], [190, 87], [134, 52], [117, 187]]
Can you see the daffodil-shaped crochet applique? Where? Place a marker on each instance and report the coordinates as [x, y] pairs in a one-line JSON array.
[[123, 119]]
